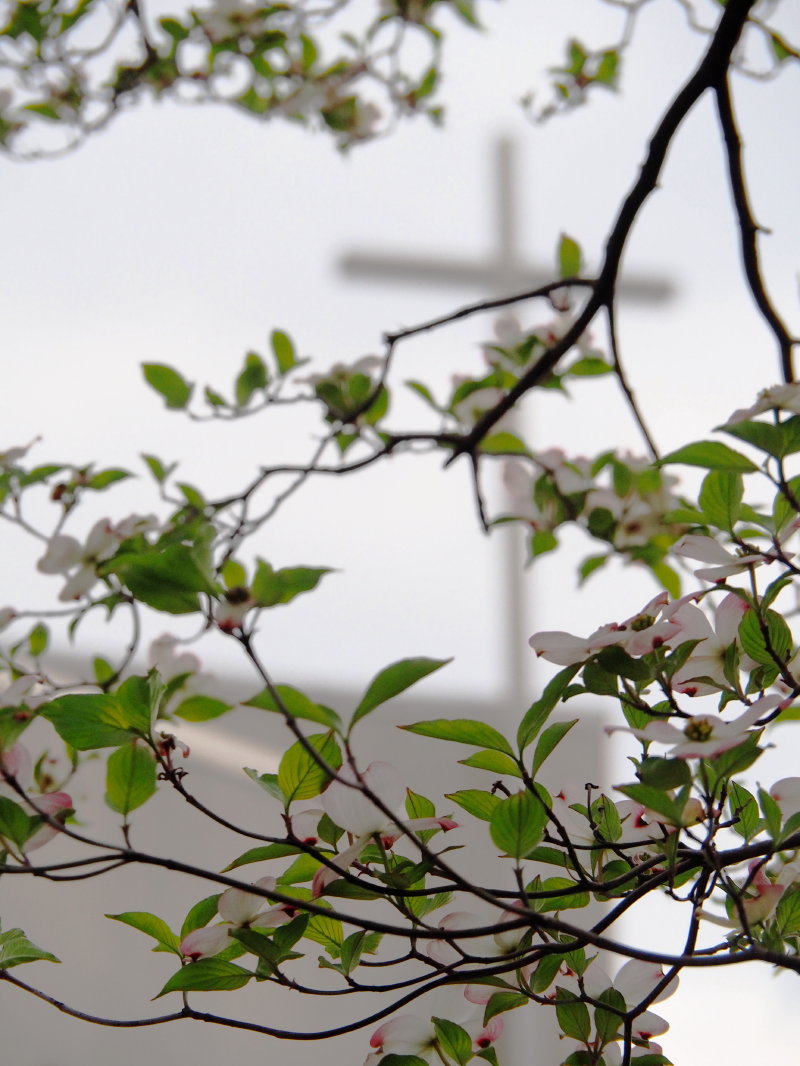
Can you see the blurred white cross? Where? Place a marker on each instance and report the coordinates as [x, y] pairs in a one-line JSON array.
[[502, 272]]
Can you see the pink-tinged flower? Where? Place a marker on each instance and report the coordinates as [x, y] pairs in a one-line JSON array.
[[352, 810], [230, 611], [643, 632], [612, 1053], [135, 524], [570, 475], [705, 735], [786, 794], [50, 804], [27, 690], [349, 808], [776, 398], [303, 825], [708, 658], [405, 1034], [519, 480], [163, 655], [635, 982], [66, 555], [503, 942], [487, 1034], [759, 900], [238, 908], [204, 943], [707, 550]]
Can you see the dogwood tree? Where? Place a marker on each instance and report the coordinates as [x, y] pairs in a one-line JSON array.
[[362, 879]]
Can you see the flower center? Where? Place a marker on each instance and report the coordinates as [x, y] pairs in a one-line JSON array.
[[699, 729], [642, 621]]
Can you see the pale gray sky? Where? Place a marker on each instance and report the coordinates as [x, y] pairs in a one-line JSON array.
[[185, 235]]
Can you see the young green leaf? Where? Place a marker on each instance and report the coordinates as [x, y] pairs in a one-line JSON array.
[[295, 703], [538, 713], [207, 975], [169, 383], [16, 949], [130, 778], [517, 824], [299, 775], [155, 927], [462, 731], [712, 455], [393, 680]]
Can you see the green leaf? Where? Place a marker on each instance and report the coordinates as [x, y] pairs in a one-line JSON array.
[[767, 438], [617, 661], [504, 444], [155, 927], [744, 810], [169, 383], [655, 800], [606, 1022], [201, 708], [167, 580], [103, 478], [16, 949], [573, 1017], [327, 931], [140, 699], [16, 825], [494, 761], [755, 643], [296, 704], [299, 775], [476, 802], [558, 901], [130, 778], [517, 824], [712, 455], [569, 257], [283, 350], [38, 639], [207, 975], [538, 713], [462, 731], [88, 721], [159, 471], [393, 680], [455, 1041], [773, 818], [419, 806], [252, 378], [590, 366], [269, 782], [272, 587], [200, 914], [263, 854], [502, 1002], [403, 1060], [664, 773], [548, 741], [721, 498]]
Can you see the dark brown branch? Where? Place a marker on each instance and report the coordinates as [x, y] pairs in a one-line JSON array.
[[711, 70], [748, 228]]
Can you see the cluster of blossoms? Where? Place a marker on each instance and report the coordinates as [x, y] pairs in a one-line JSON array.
[[79, 562], [46, 809]]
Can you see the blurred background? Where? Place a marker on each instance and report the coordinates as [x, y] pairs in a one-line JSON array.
[[185, 235]]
